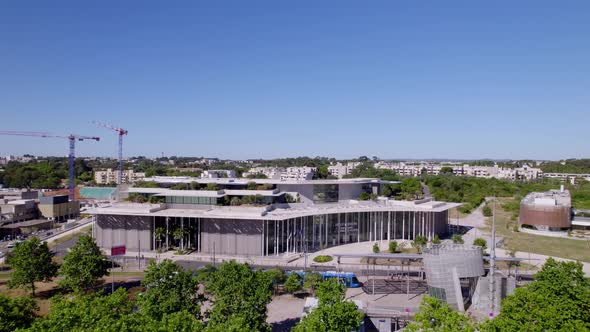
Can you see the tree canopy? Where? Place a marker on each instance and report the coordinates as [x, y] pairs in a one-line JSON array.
[[169, 289], [435, 315], [16, 313], [83, 265], [239, 294], [31, 261], [333, 313], [557, 300]]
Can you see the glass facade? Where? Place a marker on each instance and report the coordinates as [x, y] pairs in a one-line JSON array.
[[317, 232], [300, 234], [325, 193], [191, 200]]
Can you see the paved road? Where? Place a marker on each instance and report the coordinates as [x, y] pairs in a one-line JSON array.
[[62, 249]]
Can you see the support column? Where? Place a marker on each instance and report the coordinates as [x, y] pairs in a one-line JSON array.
[[167, 233], [403, 225], [388, 226]]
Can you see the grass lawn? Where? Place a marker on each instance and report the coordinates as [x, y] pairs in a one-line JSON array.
[[544, 245]]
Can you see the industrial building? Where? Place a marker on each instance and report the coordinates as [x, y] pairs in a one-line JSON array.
[[239, 219], [547, 211], [58, 208]]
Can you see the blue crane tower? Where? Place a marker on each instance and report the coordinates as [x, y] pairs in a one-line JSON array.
[[120, 132], [72, 156]]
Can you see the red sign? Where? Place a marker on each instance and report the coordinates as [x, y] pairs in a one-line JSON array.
[[118, 251]]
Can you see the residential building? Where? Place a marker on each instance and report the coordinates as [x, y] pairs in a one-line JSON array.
[[110, 176], [340, 170], [299, 173], [268, 172], [218, 173], [416, 169]]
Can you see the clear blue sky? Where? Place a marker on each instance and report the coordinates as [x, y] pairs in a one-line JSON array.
[[251, 79]]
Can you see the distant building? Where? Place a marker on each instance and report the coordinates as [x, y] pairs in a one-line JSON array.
[[58, 208], [416, 169], [110, 176], [286, 174], [17, 205], [268, 172], [340, 170], [550, 210], [218, 173], [298, 173]]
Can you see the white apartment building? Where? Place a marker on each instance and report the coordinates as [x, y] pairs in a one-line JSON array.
[[110, 176], [340, 170], [298, 173], [218, 173], [415, 169], [269, 172]]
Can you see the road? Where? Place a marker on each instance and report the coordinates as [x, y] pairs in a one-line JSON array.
[[62, 249]]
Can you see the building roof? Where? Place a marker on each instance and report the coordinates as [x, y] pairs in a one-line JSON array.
[[548, 198], [272, 212], [244, 181], [203, 193]]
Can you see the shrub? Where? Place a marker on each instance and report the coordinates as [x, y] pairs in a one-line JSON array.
[[419, 242], [487, 211], [436, 239], [392, 246], [457, 239], [480, 243], [322, 258], [376, 249], [293, 283]]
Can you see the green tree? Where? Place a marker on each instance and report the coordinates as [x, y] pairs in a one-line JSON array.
[[312, 281], [16, 313], [239, 293], [446, 170], [293, 283], [557, 300], [376, 249], [85, 312], [169, 289], [333, 313], [438, 316], [31, 261], [392, 247], [364, 196], [480, 243], [178, 235], [251, 185], [212, 187], [159, 233], [457, 239], [83, 265]]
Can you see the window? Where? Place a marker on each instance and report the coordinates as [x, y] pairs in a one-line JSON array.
[[325, 193]]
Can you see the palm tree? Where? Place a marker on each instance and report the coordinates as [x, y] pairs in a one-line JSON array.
[[159, 233], [178, 235]]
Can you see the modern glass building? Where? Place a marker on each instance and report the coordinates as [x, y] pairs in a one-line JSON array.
[[203, 222]]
